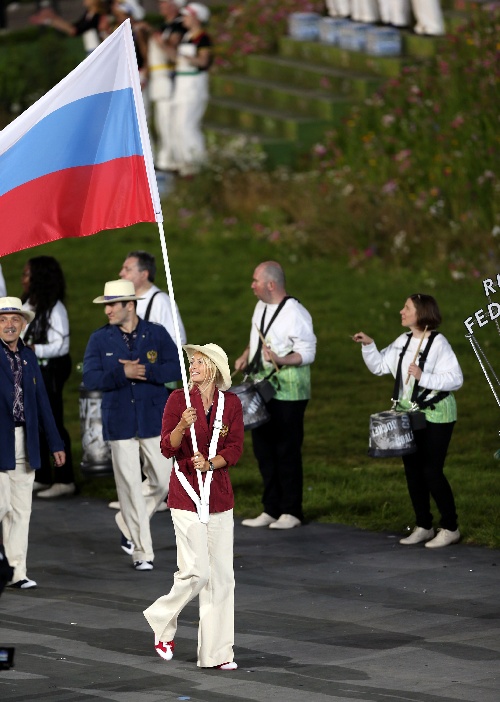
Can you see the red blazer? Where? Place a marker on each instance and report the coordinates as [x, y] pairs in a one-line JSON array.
[[229, 446]]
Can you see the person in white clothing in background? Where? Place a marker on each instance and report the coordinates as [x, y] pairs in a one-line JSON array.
[[161, 71], [193, 58], [365, 10], [338, 8], [44, 291], [426, 372], [395, 12], [140, 268], [429, 17]]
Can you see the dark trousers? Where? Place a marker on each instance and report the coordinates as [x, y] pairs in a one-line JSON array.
[[277, 446], [55, 374], [425, 476]]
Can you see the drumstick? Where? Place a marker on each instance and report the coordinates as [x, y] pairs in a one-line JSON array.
[[416, 353], [264, 342]]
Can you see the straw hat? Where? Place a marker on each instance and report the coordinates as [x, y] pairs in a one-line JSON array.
[[215, 354], [118, 291], [13, 305]]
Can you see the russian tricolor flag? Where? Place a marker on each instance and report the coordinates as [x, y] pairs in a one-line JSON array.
[[79, 160]]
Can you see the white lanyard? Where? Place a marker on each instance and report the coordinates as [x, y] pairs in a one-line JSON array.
[[203, 499]]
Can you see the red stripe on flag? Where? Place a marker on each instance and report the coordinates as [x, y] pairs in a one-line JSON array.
[[76, 202]]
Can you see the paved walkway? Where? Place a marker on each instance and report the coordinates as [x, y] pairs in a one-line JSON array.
[[323, 612]]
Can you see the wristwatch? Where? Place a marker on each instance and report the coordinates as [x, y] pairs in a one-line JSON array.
[[211, 465]]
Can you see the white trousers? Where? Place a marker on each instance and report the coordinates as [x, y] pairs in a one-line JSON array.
[[163, 128], [187, 143], [396, 12], [338, 8], [428, 16], [205, 563], [16, 494], [139, 499], [365, 10]]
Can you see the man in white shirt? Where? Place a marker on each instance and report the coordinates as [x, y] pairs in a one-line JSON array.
[[140, 268], [289, 342]]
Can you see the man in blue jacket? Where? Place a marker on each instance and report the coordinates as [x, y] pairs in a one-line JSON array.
[[130, 360], [24, 408]]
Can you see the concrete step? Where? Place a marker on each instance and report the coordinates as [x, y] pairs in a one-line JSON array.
[[279, 152], [279, 96], [303, 131], [311, 76]]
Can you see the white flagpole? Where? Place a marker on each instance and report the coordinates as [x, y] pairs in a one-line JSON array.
[[153, 186], [170, 288]]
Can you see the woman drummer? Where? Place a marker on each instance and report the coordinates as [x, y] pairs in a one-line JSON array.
[[204, 550], [436, 378]]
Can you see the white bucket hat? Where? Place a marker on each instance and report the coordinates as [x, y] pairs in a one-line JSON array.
[[13, 305], [215, 354], [118, 291], [132, 8], [198, 10]]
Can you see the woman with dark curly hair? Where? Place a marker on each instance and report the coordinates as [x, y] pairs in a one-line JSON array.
[[44, 290]]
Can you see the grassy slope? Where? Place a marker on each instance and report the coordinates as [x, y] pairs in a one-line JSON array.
[[212, 267]]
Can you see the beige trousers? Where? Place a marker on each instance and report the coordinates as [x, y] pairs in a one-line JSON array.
[[205, 563], [16, 494], [139, 499]]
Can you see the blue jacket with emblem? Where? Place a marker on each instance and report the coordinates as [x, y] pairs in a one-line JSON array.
[[131, 408], [37, 411]]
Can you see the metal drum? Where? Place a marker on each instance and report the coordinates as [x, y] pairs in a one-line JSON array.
[[254, 409], [391, 435], [96, 453]]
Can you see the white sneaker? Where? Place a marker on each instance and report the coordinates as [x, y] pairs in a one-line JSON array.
[[286, 521], [25, 584], [444, 537], [263, 520], [228, 666], [418, 535], [58, 490], [39, 486], [143, 565]]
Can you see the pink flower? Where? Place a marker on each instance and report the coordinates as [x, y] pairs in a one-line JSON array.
[[390, 187], [319, 150]]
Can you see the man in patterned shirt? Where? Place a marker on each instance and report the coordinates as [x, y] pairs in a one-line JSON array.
[[24, 407]]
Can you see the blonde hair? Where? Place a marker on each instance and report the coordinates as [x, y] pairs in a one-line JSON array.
[[213, 374]]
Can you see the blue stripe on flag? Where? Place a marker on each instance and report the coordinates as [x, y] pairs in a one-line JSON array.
[[92, 130]]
